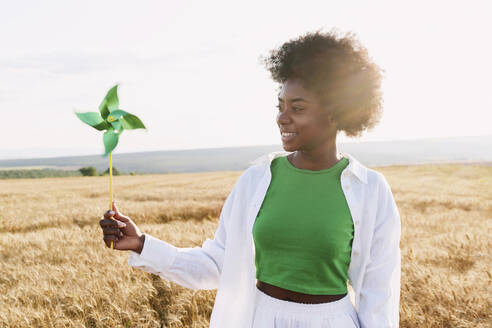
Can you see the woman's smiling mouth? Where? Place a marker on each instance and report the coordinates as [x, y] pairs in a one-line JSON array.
[[287, 136]]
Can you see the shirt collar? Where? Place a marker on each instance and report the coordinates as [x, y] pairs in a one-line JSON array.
[[354, 167]]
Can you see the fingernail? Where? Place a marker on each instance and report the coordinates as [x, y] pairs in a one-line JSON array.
[[121, 224]]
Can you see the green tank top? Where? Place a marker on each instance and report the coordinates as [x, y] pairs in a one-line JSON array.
[[304, 230]]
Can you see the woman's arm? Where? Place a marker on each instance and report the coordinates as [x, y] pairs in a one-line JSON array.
[[380, 292], [194, 268]]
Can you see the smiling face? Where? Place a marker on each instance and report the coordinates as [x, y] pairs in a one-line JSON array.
[[300, 112]]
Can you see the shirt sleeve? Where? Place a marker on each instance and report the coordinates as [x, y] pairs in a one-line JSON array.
[[195, 268], [380, 292]]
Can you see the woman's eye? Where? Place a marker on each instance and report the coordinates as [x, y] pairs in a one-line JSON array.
[[295, 109]]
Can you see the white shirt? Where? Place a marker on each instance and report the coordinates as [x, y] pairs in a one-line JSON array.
[[227, 264]]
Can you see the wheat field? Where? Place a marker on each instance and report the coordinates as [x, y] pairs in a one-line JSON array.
[[55, 270]]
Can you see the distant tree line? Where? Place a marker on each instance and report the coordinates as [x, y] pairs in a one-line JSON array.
[[91, 171], [37, 173], [50, 173]]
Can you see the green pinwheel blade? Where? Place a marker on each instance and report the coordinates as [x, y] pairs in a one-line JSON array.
[[93, 119], [131, 122], [110, 139], [110, 102]]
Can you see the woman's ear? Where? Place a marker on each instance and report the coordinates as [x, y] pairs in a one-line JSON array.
[[329, 116]]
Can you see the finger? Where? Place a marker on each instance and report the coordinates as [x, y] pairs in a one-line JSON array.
[[110, 238], [118, 215], [115, 209], [109, 214], [111, 231], [108, 223]]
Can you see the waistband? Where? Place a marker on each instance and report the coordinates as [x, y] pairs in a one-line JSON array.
[[343, 305]]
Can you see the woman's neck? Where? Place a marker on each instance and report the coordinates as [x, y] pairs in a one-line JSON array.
[[315, 161]]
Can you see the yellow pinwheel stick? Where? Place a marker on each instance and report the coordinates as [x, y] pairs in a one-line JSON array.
[[111, 186]]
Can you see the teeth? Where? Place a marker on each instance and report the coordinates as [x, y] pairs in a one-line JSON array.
[[285, 134]]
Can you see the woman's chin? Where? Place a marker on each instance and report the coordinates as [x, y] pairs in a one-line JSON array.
[[288, 147]]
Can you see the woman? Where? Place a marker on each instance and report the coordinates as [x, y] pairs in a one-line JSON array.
[[298, 225]]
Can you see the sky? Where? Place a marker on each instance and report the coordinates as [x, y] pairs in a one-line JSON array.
[[191, 70]]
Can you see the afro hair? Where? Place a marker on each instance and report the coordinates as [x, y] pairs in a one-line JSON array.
[[339, 70]]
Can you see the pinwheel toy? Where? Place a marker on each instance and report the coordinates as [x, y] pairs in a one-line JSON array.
[[113, 121]]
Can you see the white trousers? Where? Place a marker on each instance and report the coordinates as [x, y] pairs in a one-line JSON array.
[[271, 312]]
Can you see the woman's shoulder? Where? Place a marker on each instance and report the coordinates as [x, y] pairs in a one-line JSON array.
[[374, 177], [378, 180], [253, 173]]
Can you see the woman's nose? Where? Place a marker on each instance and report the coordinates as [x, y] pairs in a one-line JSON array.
[[282, 118]]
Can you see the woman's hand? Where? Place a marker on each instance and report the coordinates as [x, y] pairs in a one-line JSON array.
[[122, 231]]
